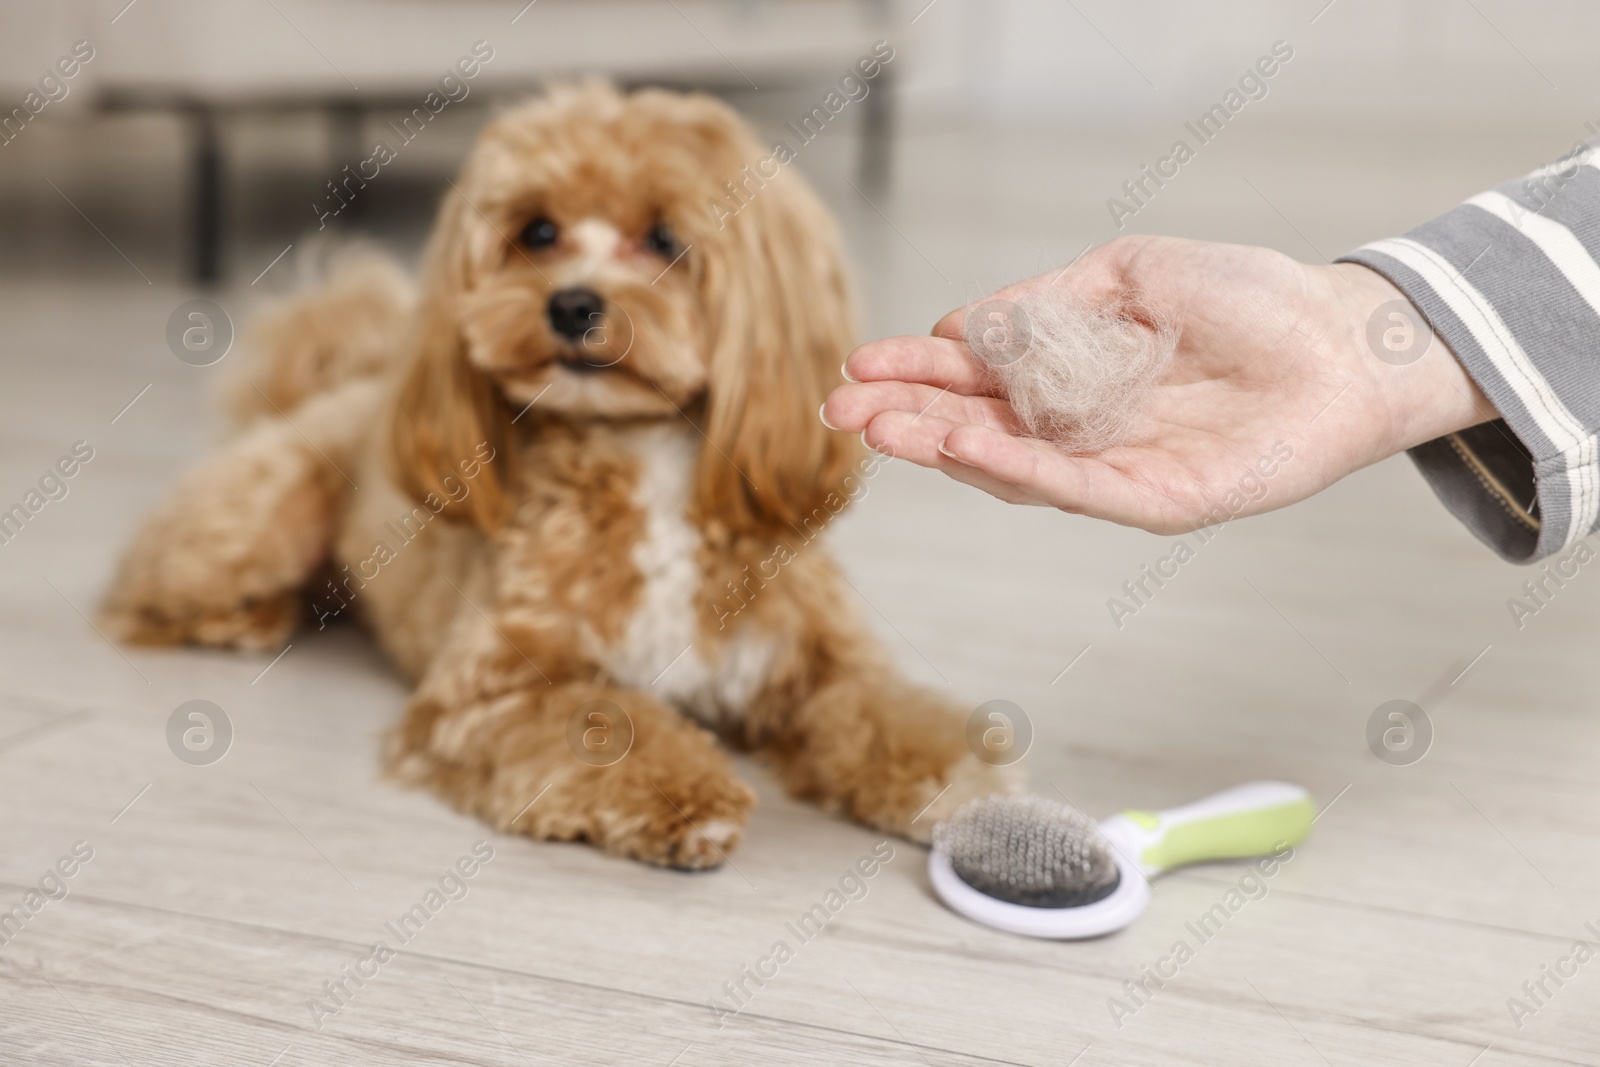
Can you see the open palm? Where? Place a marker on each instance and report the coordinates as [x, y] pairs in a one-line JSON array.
[[1271, 396]]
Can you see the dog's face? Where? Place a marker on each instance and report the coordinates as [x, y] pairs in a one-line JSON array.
[[593, 261], [587, 252]]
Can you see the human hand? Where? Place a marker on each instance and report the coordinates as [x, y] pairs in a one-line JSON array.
[[1270, 352]]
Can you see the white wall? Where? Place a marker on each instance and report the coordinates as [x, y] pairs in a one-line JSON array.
[[1015, 62], [1462, 61]]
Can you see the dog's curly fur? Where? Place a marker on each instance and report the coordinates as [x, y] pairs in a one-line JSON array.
[[600, 503]]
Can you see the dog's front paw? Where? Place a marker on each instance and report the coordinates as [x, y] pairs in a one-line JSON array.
[[964, 780], [257, 625], [692, 825]]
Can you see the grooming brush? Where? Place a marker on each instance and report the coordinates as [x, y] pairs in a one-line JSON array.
[[1031, 866]]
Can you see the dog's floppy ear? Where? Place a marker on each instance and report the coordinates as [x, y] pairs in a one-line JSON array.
[[448, 417], [783, 325]]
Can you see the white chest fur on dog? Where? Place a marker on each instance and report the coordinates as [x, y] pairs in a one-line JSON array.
[[661, 650]]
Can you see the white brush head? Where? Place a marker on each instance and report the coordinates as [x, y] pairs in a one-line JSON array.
[[1032, 866]]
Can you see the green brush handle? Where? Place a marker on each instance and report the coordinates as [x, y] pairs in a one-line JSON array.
[[1248, 820]]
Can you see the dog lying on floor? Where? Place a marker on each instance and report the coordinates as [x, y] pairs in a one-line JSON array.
[[580, 469]]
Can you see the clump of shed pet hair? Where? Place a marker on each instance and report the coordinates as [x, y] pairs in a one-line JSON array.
[[1077, 374]]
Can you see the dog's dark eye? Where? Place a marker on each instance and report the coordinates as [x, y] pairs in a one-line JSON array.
[[661, 240], [540, 233]]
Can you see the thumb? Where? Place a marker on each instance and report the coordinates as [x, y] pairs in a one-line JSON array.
[[1079, 275], [952, 327], [954, 324]]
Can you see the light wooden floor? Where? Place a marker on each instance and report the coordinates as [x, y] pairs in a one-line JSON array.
[[220, 898]]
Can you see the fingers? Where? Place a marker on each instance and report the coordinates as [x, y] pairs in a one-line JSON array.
[[852, 407], [905, 436], [931, 361], [1031, 468], [976, 478], [1014, 469], [1021, 470]]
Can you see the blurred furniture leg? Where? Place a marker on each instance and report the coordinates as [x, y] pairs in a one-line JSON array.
[[206, 222], [345, 121], [876, 158]]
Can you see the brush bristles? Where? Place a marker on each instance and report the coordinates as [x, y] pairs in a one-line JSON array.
[[1029, 851]]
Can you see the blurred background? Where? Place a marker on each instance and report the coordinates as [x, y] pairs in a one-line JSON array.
[[200, 135], [191, 157]]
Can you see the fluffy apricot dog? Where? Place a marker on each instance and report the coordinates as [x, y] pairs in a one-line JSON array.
[[572, 484]]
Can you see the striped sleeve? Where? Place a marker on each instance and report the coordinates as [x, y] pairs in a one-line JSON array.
[[1510, 282]]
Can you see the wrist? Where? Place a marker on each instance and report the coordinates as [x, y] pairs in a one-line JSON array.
[[1424, 389]]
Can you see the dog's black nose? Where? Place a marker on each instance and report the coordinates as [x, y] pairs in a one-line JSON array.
[[573, 312]]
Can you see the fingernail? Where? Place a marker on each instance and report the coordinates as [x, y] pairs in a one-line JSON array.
[[943, 451], [822, 413], [844, 370]]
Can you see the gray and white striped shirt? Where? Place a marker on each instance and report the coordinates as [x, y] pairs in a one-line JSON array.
[[1510, 280]]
